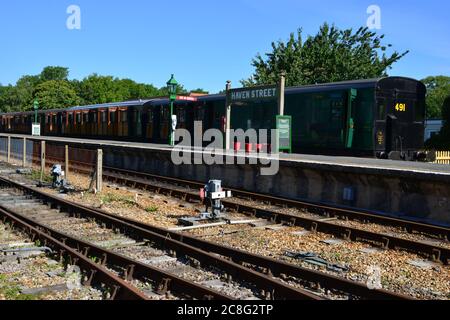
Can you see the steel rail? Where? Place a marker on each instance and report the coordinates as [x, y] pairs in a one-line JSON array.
[[409, 226], [318, 208], [96, 274], [133, 268], [386, 241], [273, 288], [272, 267]]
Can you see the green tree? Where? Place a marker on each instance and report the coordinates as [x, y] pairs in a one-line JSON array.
[[9, 99], [438, 89], [25, 87], [199, 90], [441, 141], [97, 89], [331, 55], [55, 94], [54, 73]]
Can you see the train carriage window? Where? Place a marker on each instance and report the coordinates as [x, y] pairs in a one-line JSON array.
[[150, 115], [124, 116], [200, 113], [54, 119], [70, 118], [113, 117], [94, 117], [104, 116], [164, 113], [86, 117], [381, 109], [181, 114]]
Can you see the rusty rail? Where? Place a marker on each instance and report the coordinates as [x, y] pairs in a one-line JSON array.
[[95, 273], [272, 288], [434, 252], [208, 254]]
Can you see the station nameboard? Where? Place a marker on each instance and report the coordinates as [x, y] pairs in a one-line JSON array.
[[284, 126], [253, 93], [185, 98], [36, 129]]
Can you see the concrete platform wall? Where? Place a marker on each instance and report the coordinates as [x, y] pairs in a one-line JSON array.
[[396, 194], [405, 189]]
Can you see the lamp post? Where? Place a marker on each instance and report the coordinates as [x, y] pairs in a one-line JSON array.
[[35, 107], [172, 85]]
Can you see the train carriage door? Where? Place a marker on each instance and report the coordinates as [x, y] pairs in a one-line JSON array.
[[350, 124], [164, 123], [103, 118], [136, 122]]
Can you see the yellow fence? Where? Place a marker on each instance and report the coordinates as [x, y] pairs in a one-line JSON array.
[[442, 157]]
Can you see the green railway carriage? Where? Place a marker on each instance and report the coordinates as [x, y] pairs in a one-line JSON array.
[[382, 117], [377, 117]]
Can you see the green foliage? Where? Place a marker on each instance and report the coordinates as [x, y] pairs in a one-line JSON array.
[[97, 89], [54, 91], [152, 209], [441, 141], [10, 100], [438, 88], [199, 90], [56, 94], [36, 175], [110, 198], [11, 291], [54, 73], [329, 56]]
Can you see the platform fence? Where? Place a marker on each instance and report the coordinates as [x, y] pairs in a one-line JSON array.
[[71, 159], [442, 157]]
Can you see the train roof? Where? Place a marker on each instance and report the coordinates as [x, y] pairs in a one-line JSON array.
[[140, 102], [355, 84]]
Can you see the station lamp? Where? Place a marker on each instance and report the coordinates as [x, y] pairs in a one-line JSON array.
[[172, 86], [35, 107]]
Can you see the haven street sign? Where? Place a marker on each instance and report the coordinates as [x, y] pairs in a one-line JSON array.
[[252, 93]]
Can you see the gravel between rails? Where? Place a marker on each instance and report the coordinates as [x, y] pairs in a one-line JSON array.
[[397, 274], [24, 276]]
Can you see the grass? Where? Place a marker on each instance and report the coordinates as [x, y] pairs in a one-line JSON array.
[[11, 291], [36, 175], [110, 198], [152, 209]]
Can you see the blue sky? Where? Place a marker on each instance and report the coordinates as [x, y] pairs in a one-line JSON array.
[[204, 42]]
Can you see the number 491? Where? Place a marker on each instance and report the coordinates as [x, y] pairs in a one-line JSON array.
[[400, 107]]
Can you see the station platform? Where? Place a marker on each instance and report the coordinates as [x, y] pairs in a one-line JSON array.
[[420, 191], [349, 163]]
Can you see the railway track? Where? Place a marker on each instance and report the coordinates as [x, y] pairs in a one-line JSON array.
[[275, 279], [182, 189], [269, 288], [94, 273], [155, 183], [137, 179]]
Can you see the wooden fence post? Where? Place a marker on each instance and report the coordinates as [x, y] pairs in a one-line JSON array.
[[42, 159], [99, 170], [66, 166], [8, 152], [24, 153]]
